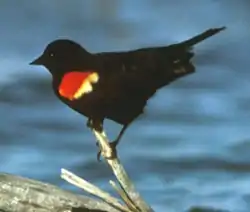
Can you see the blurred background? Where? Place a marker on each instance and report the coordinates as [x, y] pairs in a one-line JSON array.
[[190, 149]]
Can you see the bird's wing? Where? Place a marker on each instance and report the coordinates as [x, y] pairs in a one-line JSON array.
[[148, 69], [144, 58]]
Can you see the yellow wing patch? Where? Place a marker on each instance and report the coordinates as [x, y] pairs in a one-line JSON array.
[[86, 86]]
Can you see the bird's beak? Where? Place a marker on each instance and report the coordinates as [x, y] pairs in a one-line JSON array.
[[37, 61]]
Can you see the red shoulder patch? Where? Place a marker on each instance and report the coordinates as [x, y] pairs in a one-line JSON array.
[[75, 84]]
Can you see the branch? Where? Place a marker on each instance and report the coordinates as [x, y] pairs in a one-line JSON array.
[[133, 202], [126, 184], [92, 189]]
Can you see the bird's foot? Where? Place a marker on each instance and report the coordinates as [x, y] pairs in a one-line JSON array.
[[113, 151], [94, 125]]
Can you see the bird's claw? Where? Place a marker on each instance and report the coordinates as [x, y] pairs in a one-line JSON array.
[[113, 151]]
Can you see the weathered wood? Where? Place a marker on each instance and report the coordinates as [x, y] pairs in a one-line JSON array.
[[18, 194], [127, 191]]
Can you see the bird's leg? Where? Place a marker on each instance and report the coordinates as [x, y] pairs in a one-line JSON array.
[[114, 143], [95, 124], [98, 126], [90, 124]]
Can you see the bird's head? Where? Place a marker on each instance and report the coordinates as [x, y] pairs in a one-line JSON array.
[[61, 56]]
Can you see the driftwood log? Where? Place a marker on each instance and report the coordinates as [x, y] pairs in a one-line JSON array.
[[18, 194]]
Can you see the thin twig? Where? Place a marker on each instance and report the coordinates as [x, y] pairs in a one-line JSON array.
[[124, 197], [120, 172], [92, 189]]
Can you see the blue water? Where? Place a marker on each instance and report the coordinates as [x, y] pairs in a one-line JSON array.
[[190, 149]]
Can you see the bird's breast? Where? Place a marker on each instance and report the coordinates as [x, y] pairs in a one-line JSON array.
[[76, 84]]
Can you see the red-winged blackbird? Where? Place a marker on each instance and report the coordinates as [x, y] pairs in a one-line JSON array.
[[115, 85]]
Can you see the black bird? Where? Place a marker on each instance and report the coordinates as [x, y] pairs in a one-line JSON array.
[[115, 85]]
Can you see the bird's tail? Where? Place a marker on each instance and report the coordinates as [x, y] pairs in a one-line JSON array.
[[179, 56], [198, 38]]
